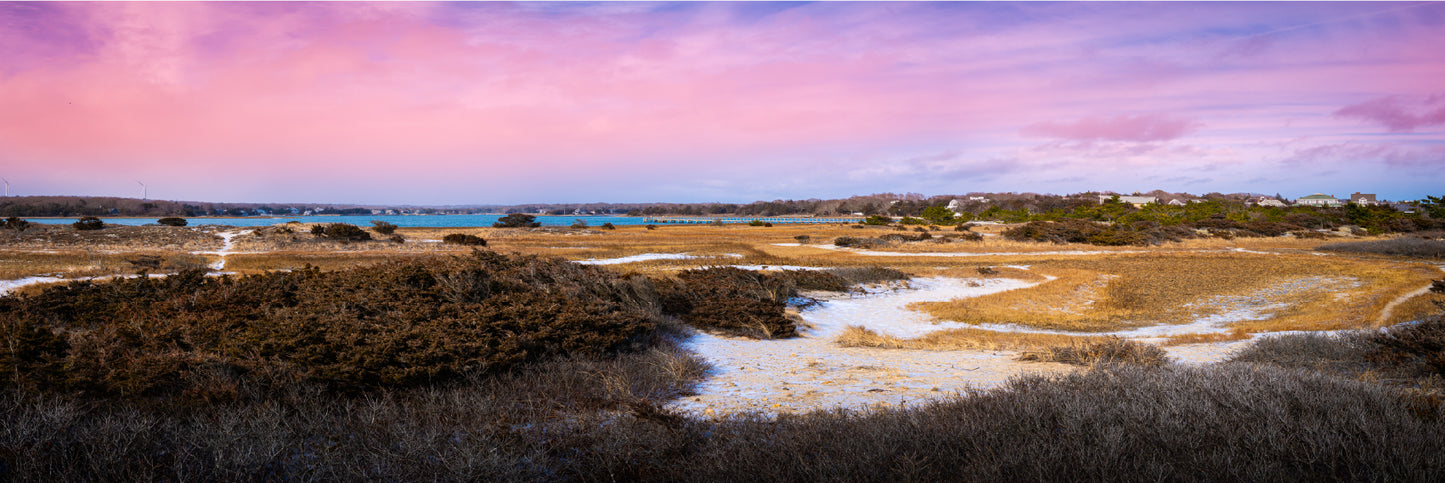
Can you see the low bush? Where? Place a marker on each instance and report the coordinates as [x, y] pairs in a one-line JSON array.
[[877, 220], [1112, 350], [756, 223], [517, 220], [866, 275], [88, 223], [397, 239], [732, 301], [172, 221], [1417, 350], [608, 226], [803, 239], [383, 227], [15, 223], [341, 232], [651, 227], [1403, 246], [579, 223], [464, 239], [858, 242]]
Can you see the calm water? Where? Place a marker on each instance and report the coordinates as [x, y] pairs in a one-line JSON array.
[[365, 220]]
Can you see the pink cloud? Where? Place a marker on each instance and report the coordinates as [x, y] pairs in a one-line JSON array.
[[1139, 128], [1398, 114]]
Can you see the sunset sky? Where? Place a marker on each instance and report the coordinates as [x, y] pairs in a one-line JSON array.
[[473, 103]]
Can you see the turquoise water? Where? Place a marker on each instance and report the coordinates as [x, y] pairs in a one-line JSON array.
[[365, 220]]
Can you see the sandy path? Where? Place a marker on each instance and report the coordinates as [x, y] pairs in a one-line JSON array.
[[227, 247]]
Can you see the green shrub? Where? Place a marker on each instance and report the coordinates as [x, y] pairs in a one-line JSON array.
[[517, 220], [383, 227], [908, 220], [88, 223], [877, 220], [464, 239], [756, 223], [172, 221]]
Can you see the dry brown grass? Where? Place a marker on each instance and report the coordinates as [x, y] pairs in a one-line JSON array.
[[1102, 293], [1108, 350], [1211, 338], [958, 339]]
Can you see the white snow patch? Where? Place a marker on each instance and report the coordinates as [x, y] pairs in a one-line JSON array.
[[650, 256], [7, 286]]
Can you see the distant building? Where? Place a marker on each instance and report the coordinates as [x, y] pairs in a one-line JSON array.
[[1267, 201], [1137, 201], [1319, 199], [1364, 199]]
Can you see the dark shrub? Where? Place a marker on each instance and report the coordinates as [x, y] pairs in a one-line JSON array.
[[397, 324], [858, 275], [651, 227], [756, 223], [1403, 246], [1417, 348], [172, 221], [88, 223], [383, 227], [464, 239], [963, 227], [857, 242], [517, 220], [398, 239], [341, 231], [730, 300], [15, 223], [608, 226], [803, 239]]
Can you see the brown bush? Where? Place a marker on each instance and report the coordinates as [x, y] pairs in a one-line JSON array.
[[464, 239], [396, 324]]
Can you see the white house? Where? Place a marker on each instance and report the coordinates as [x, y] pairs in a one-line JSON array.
[[1133, 200], [1319, 199]]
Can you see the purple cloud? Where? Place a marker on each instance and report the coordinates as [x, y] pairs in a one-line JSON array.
[[1137, 128], [1397, 114]]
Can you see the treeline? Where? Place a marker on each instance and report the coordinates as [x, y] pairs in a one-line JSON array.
[[31, 206]]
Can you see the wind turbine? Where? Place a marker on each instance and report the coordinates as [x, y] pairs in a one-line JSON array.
[[7, 187], [142, 190]]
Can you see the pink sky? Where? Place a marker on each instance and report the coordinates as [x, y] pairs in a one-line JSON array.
[[423, 103]]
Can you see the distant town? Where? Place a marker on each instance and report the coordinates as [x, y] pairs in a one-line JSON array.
[[891, 204]]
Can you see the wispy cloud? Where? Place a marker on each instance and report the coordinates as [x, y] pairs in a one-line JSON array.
[[1399, 114], [1139, 128]]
